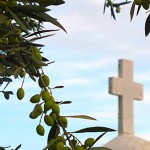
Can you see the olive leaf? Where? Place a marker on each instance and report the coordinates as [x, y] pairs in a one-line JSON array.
[[14, 16], [94, 129], [18, 147], [132, 9], [81, 117], [147, 25]]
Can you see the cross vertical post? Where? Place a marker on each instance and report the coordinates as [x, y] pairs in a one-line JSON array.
[[127, 90]]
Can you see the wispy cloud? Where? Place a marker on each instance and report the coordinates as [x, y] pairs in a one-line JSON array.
[[90, 65]]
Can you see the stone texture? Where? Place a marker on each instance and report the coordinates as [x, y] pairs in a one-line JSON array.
[[127, 90], [127, 142]]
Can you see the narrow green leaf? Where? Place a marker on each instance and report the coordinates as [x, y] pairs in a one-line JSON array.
[[3, 148], [25, 23], [48, 18], [104, 7], [30, 44], [66, 102], [132, 9], [44, 59], [18, 147], [6, 86], [58, 2], [138, 10], [39, 32], [17, 20], [99, 137], [7, 94], [53, 133], [10, 92], [112, 12], [32, 77], [94, 129], [36, 61], [147, 25], [30, 9], [124, 3], [81, 117], [56, 87], [7, 79], [41, 37]]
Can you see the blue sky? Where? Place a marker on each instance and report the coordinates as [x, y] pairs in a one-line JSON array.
[[84, 60]]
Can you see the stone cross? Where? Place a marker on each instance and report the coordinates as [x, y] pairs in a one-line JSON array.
[[127, 90]]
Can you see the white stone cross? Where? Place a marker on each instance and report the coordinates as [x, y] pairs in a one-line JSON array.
[[127, 90]]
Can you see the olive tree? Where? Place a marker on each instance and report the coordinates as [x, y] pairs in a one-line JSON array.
[[137, 6], [21, 26]]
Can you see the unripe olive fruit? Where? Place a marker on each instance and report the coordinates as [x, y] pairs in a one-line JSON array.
[[35, 50], [54, 116], [18, 32], [45, 95], [66, 148], [109, 2], [52, 99], [48, 120], [48, 105], [22, 73], [138, 2], [45, 80], [38, 56], [38, 109], [40, 130], [35, 98], [33, 115], [78, 147], [55, 108], [20, 93], [89, 142], [12, 39], [53, 144], [63, 120], [7, 23], [59, 146], [61, 139], [117, 9], [145, 4]]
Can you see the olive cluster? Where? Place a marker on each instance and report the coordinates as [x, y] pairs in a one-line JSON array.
[[45, 99], [14, 36], [144, 3], [59, 143], [109, 3], [87, 144]]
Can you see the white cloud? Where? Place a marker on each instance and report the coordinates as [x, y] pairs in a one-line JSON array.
[[90, 65], [78, 81], [143, 76], [110, 115]]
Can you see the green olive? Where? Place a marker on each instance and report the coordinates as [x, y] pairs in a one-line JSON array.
[[48, 120], [40, 130], [20, 93]]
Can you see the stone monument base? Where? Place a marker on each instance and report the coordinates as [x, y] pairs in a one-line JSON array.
[[127, 142]]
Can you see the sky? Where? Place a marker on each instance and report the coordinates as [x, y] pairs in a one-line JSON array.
[[84, 58]]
